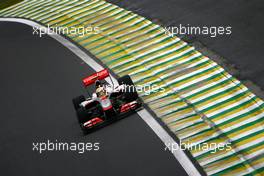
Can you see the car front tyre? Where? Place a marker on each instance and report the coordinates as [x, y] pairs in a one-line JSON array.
[[77, 101]]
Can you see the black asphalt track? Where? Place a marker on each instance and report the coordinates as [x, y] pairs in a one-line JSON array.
[[243, 49], [39, 77]]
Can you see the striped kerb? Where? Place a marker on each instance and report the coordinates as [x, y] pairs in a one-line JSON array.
[[196, 98]]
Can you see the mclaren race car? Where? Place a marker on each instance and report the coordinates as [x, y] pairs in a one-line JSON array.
[[108, 103]]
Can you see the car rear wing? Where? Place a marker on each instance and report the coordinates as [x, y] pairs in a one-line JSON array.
[[96, 76]]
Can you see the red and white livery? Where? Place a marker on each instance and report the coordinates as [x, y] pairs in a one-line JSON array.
[[108, 103]]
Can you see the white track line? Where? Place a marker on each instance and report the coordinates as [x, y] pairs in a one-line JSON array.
[[144, 114]]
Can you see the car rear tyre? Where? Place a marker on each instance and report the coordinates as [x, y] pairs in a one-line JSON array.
[[130, 91], [77, 101]]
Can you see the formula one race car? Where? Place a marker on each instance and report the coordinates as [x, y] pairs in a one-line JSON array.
[[108, 103]]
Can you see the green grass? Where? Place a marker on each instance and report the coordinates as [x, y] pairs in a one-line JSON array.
[[6, 3]]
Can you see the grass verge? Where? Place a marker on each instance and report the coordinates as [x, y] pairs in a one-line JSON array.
[[6, 3]]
